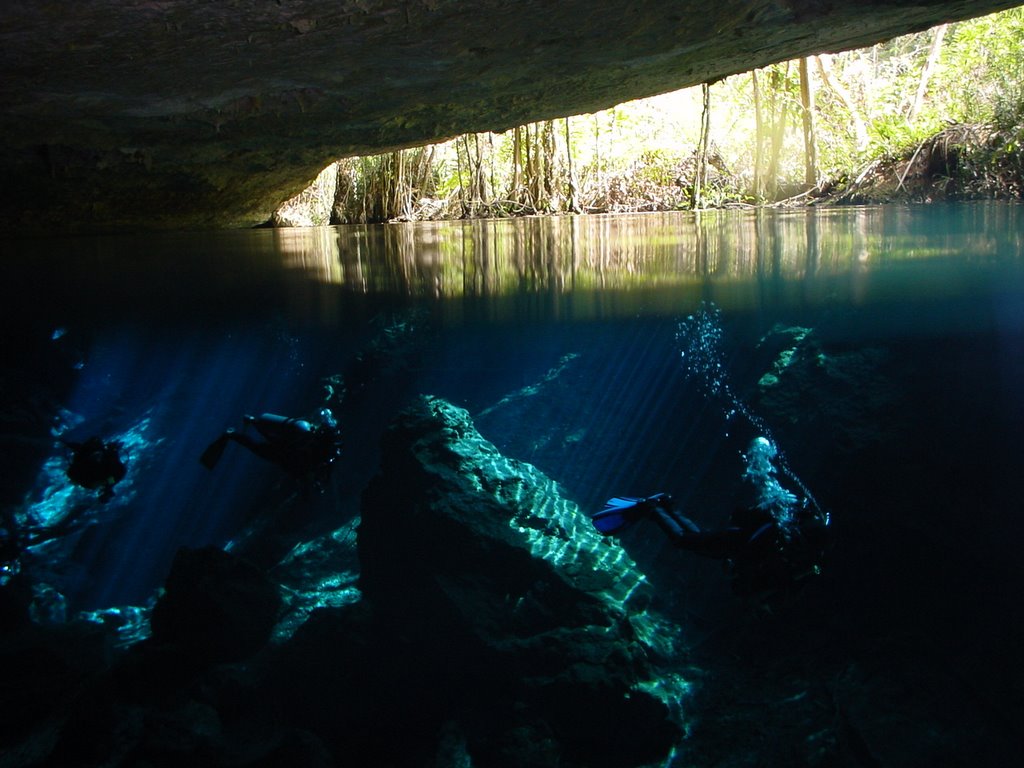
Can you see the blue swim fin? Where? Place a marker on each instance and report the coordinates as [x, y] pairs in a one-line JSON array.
[[618, 513]]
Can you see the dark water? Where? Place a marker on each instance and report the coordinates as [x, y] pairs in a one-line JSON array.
[[560, 336]]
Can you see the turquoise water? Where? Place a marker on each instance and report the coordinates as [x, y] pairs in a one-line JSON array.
[[559, 333], [880, 350]]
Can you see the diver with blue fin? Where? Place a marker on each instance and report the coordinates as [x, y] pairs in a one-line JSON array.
[[306, 451], [765, 554]]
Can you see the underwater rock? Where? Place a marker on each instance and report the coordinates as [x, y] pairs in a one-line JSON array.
[[216, 606], [128, 623], [533, 421], [43, 666], [483, 582], [841, 395], [317, 574], [492, 626]]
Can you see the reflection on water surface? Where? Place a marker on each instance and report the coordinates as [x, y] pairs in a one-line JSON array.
[[806, 256], [506, 256]]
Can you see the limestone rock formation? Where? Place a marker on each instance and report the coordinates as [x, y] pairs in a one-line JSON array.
[[496, 627], [183, 113], [215, 606], [844, 396]]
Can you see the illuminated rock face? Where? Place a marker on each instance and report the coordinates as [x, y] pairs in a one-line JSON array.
[[185, 113], [489, 573], [442, 483]]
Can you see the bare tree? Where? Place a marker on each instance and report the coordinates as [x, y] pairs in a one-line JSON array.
[[701, 172], [926, 73], [810, 148]]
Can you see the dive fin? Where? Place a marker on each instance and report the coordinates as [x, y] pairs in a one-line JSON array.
[[618, 513], [214, 451]]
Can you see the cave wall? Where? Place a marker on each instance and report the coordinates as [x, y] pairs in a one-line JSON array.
[[185, 113]]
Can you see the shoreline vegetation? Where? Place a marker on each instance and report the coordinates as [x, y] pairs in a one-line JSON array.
[[934, 116]]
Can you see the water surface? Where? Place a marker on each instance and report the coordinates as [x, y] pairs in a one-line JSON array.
[[560, 335]]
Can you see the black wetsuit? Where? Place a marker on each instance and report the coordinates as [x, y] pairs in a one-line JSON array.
[[96, 465], [303, 450], [762, 554]]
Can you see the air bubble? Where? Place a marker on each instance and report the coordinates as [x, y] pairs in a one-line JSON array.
[[699, 337]]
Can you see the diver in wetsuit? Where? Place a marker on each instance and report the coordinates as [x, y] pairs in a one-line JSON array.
[[304, 450], [96, 465], [764, 553]]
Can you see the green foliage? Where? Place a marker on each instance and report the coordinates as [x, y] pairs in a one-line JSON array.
[[877, 103], [985, 69], [893, 135]]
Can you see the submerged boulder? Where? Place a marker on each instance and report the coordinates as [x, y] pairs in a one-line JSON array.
[[469, 549], [317, 574], [844, 397], [216, 606], [496, 626], [485, 536]]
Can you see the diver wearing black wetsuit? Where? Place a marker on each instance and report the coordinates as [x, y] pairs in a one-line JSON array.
[[764, 554], [96, 465], [303, 450]]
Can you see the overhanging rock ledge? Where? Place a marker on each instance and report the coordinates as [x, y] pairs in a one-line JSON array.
[[122, 114]]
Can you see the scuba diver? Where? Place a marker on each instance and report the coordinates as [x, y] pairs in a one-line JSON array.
[[305, 451], [764, 554], [96, 465]]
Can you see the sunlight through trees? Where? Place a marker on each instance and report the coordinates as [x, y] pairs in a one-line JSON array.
[[776, 133]]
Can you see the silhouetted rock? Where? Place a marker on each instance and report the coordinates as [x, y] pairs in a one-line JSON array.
[[493, 627], [216, 606], [494, 617]]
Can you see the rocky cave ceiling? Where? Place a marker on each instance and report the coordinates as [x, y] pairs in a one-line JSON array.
[[192, 113]]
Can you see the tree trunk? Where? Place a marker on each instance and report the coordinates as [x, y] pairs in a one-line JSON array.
[[700, 174], [515, 193], [550, 188], [758, 191], [824, 62], [929, 68], [530, 166], [490, 159], [478, 180], [398, 186], [425, 175], [573, 184], [462, 185], [780, 113], [807, 102]]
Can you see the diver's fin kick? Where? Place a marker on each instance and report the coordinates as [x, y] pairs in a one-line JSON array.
[[214, 451], [618, 513]]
